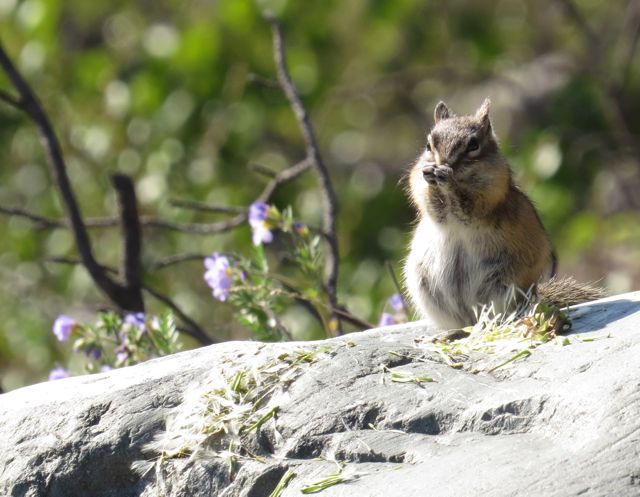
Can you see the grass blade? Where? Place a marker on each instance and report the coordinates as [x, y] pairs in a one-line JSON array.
[[263, 420], [406, 377], [282, 484], [522, 353], [328, 481]]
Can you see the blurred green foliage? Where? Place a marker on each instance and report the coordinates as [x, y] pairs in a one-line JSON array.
[[162, 90]]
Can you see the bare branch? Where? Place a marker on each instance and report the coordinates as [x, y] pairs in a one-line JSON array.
[[345, 315], [396, 283], [177, 259], [68, 261], [9, 99], [262, 81], [193, 328], [40, 221], [264, 170], [197, 228], [108, 222], [131, 268], [201, 206], [283, 177], [280, 179], [313, 154]]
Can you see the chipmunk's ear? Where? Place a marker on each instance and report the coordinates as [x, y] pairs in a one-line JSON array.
[[441, 112], [483, 113]]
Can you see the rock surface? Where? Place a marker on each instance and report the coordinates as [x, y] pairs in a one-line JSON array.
[[564, 421]]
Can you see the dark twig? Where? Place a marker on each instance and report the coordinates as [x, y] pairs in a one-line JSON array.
[[70, 261], [354, 320], [280, 179], [396, 283], [197, 228], [40, 221], [264, 170], [131, 268], [108, 222], [203, 207], [313, 155], [193, 329], [177, 259], [283, 177], [9, 99], [262, 81]]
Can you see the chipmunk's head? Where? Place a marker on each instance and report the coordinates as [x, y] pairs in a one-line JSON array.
[[461, 151]]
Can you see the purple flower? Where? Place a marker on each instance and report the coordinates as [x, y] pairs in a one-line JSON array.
[[396, 303], [258, 213], [136, 320], [63, 327], [218, 275], [122, 354], [58, 373], [301, 228], [386, 319], [104, 368], [93, 352], [261, 234]]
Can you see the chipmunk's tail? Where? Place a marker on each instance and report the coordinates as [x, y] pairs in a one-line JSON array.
[[563, 292]]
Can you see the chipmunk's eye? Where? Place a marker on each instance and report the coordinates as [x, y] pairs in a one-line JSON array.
[[473, 144]]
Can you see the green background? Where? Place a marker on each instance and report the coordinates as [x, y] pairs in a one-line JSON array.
[[163, 91]]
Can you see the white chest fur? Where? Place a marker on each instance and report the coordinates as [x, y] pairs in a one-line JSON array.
[[447, 273]]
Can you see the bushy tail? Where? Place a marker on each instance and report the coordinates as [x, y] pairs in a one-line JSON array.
[[563, 292]]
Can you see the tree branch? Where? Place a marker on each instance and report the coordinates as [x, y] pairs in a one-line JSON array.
[[9, 99], [201, 206], [40, 221], [345, 315], [193, 329], [109, 222], [131, 267], [30, 104], [264, 170], [177, 259], [313, 155], [283, 177]]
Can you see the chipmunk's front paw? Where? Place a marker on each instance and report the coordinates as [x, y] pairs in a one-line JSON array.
[[436, 175], [429, 174]]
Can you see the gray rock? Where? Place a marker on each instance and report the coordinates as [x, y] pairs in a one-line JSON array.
[[564, 421]]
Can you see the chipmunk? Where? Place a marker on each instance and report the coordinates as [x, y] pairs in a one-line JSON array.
[[478, 235]]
